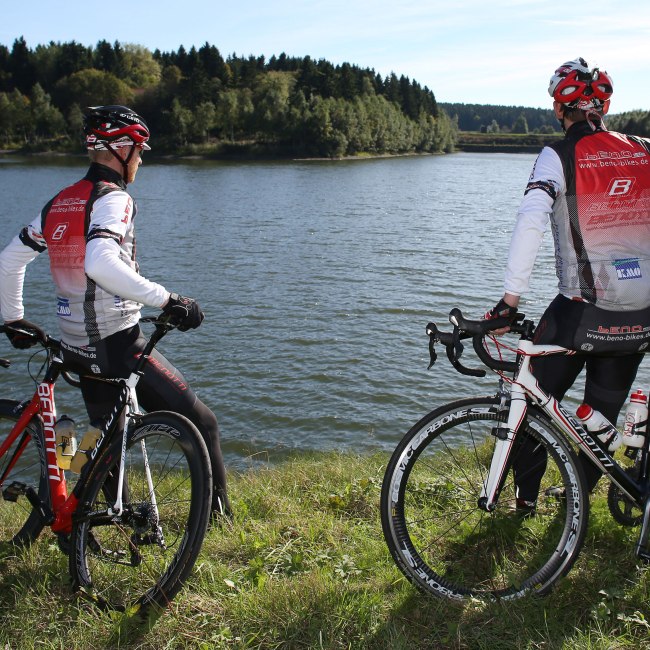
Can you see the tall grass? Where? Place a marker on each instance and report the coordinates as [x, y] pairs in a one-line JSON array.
[[304, 565]]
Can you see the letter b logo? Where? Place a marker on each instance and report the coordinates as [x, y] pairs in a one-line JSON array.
[[59, 231], [620, 186]]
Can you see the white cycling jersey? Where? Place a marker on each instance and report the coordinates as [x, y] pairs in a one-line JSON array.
[[594, 187]]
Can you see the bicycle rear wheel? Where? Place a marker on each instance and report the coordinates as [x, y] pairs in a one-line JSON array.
[[21, 467], [142, 557], [440, 538]]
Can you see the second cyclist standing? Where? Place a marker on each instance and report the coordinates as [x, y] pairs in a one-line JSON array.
[[88, 231], [594, 185]]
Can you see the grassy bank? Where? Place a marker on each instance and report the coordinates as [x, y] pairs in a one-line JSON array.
[[305, 566]]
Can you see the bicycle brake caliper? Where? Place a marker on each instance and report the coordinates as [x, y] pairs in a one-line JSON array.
[[515, 410], [501, 432]]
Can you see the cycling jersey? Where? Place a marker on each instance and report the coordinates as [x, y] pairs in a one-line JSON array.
[[88, 230], [595, 187]]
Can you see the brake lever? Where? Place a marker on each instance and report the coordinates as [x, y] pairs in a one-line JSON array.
[[432, 331]]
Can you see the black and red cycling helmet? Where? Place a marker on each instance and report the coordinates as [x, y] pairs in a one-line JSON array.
[[108, 127], [576, 85]]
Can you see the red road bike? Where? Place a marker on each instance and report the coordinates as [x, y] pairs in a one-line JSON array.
[[134, 521]]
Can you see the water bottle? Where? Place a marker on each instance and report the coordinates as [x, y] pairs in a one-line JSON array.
[[636, 420], [66, 441], [596, 423], [86, 445]]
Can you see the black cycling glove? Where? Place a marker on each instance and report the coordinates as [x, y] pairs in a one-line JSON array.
[[27, 338], [502, 310], [183, 311]]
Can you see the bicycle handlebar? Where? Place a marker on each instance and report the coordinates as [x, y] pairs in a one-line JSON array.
[[163, 323], [465, 328]]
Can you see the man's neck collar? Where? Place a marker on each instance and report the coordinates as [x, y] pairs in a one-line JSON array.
[[97, 171]]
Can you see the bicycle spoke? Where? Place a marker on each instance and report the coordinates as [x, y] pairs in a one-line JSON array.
[[143, 556]]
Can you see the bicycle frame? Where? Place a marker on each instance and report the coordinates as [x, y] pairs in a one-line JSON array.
[[525, 387], [59, 507]]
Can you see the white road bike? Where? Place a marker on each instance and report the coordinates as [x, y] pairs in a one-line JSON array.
[[448, 501]]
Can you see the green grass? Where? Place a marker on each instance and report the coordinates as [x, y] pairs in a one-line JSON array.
[[305, 566]]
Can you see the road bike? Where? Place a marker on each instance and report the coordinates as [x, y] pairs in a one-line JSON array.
[[134, 522], [449, 506]]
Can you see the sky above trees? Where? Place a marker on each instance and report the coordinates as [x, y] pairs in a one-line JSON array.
[[469, 51]]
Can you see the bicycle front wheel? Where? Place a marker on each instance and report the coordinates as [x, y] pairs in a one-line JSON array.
[[142, 556], [22, 475], [439, 536]]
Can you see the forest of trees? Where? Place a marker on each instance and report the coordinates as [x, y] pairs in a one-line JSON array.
[[197, 100], [519, 119], [633, 122], [501, 119]]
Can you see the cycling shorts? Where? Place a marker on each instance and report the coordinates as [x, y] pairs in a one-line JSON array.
[[588, 329]]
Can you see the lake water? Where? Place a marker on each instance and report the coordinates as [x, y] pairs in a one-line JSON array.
[[317, 279]]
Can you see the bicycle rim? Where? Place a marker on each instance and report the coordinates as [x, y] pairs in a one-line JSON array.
[[20, 523], [142, 557], [444, 543]]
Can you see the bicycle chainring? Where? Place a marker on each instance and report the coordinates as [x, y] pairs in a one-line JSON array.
[[624, 510]]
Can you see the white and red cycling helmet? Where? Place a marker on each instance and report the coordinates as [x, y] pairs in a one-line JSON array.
[[576, 85], [115, 126], [108, 128]]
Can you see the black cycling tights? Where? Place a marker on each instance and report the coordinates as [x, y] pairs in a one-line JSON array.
[[607, 384], [162, 387]]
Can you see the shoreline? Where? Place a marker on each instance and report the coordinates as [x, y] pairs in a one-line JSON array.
[[460, 148]]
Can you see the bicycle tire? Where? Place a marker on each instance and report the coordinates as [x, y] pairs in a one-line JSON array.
[[20, 522], [140, 559], [449, 547]]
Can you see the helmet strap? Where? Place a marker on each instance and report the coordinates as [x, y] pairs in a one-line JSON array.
[[124, 163], [595, 119], [561, 121]]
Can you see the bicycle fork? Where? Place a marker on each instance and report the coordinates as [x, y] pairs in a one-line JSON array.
[[132, 408], [505, 438]]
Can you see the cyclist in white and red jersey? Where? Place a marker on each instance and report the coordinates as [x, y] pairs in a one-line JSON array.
[[594, 188], [88, 231]]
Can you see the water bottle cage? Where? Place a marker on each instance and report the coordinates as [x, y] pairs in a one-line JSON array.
[[637, 429], [610, 438]]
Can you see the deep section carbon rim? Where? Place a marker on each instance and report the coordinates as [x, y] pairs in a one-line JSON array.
[[444, 542]]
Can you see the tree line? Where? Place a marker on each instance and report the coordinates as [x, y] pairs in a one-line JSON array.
[[501, 119], [197, 100], [631, 122], [519, 119]]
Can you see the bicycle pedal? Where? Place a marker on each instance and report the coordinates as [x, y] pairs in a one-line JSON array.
[[13, 491], [17, 489]]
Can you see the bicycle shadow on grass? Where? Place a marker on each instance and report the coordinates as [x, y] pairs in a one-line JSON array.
[[601, 594], [133, 625], [18, 578]]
